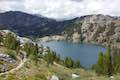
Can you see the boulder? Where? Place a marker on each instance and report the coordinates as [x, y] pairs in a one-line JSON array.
[[54, 77]]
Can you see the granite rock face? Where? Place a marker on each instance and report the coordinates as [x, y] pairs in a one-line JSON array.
[[98, 29], [101, 29]]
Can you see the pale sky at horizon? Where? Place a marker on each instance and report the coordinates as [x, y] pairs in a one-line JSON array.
[[62, 9]]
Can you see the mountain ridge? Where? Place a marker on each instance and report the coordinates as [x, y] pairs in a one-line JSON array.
[[28, 24]]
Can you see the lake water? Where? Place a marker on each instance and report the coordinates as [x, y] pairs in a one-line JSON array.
[[86, 53]]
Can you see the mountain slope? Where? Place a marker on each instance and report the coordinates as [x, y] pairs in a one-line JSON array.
[[26, 24]]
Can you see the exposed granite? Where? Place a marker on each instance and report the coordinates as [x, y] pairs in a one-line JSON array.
[[7, 58], [97, 29]]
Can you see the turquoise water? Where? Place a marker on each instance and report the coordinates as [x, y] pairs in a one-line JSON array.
[[86, 53]]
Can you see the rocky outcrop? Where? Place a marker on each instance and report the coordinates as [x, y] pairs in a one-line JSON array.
[[5, 32], [54, 77], [76, 37], [51, 38], [74, 76], [22, 40], [7, 62], [7, 58]]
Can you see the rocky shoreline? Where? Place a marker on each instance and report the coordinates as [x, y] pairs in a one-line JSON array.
[[63, 38]]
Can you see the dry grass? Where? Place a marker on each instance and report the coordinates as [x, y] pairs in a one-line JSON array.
[[29, 71], [41, 70]]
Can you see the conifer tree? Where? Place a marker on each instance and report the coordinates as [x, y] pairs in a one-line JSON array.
[[69, 62], [1, 39], [77, 64], [116, 61], [108, 63], [99, 67], [104, 64], [10, 42]]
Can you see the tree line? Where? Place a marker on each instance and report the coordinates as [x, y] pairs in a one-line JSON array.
[[68, 62], [108, 63]]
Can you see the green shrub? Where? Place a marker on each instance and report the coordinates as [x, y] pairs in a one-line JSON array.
[[12, 55], [10, 42]]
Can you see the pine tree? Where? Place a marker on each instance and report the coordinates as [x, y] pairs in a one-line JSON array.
[[99, 67], [69, 62], [77, 64], [1, 38], [104, 64], [116, 61], [10, 42], [108, 63], [58, 58], [27, 49]]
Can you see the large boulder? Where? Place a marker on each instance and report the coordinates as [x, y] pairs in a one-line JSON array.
[[54, 77]]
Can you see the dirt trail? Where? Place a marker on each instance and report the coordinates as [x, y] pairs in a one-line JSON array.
[[17, 68]]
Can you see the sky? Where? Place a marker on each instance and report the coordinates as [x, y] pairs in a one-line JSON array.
[[62, 9]]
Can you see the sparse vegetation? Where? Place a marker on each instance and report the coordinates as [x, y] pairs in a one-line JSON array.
[[10, 42], [68, 62], [36, 68], [108, 63], [104, 64], [12, 55]]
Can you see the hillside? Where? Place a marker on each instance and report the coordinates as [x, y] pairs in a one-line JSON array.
[[27, 25], [28, 64]]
